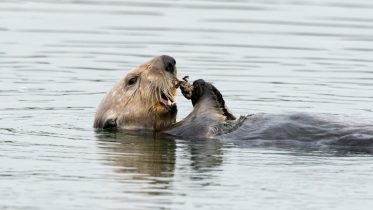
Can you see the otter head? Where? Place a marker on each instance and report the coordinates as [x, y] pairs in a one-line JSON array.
[[143, 99]]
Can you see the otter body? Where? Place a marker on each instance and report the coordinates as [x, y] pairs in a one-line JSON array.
[[145, 99], [210, 118]]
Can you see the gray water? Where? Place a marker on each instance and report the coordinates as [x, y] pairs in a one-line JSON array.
[[58, 58]]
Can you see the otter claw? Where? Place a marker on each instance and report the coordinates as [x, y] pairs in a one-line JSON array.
[[179, 82], [186, 89]]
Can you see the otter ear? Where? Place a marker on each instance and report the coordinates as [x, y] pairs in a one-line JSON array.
[[110, 124]]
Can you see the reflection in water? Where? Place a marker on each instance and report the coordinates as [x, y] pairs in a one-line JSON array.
[[140, 156], [205, 154], [144, 156]]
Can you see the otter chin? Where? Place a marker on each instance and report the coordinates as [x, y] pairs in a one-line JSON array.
[[143, 99]]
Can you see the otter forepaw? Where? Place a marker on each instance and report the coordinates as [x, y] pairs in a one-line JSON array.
[[186, 88]]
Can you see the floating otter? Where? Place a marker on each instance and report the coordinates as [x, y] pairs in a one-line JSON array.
[[149, 102]]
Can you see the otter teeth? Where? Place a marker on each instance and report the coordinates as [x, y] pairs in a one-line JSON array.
[[165, 100]]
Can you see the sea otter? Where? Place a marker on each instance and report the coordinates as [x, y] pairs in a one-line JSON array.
[[145, 99]]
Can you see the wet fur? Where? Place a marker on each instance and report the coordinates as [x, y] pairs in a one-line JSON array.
[[137, 106], [209, 114], [210, 118]]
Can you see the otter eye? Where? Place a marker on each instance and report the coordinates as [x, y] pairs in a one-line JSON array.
[[132, 81]]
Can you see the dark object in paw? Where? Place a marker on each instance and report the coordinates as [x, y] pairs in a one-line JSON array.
[[186, 88]]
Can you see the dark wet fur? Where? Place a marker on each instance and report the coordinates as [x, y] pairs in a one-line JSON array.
[[300, 129], [279, 130], [209, 114]]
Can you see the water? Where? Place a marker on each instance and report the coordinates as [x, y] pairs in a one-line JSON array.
[[58, 58]]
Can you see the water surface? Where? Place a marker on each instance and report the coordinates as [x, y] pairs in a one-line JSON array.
[[58, 58]]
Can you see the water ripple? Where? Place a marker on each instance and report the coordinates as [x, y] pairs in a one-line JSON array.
[[58, 58]]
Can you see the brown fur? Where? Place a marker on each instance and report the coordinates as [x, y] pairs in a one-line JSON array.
[[137, 106]]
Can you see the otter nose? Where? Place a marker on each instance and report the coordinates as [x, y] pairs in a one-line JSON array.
[[169, 63]]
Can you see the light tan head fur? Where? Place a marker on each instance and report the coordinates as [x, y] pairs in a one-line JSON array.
[[136, 102]]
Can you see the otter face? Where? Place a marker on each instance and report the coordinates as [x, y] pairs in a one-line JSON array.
[[143, 99]]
